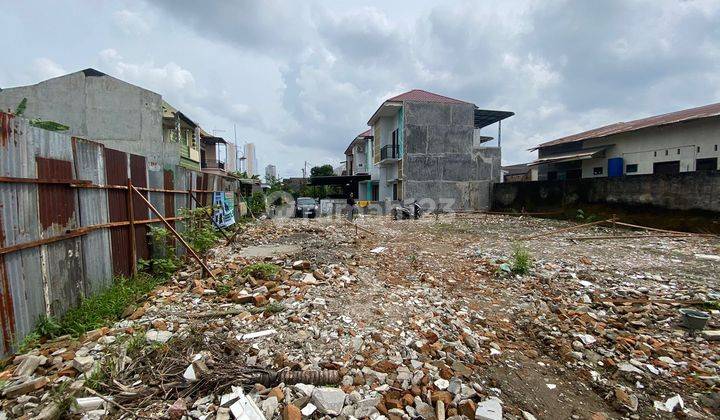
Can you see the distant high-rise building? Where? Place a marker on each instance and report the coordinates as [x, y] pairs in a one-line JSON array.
[[231, 158], [250, 160], [270, 172]]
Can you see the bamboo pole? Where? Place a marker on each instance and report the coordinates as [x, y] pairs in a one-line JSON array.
[[567, 229], [174, 232], [131, 219]]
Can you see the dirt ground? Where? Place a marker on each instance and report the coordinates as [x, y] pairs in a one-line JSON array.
[[429, 318], [433, 269]]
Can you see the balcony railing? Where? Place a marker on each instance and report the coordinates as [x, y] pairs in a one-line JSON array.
[[389, 152], [213, 164]]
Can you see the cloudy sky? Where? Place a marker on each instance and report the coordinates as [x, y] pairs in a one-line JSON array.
[[301, 78]]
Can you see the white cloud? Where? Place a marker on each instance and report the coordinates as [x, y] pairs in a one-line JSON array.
[[131, 23], [45, 68]]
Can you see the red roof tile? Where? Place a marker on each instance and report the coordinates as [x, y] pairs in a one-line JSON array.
[[366, 133], [424, 96], [706, 111]]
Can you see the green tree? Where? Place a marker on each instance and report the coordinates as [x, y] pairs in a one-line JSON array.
[[324, 170]]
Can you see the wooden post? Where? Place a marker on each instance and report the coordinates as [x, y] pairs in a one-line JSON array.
[[174, 232], [131, 226]]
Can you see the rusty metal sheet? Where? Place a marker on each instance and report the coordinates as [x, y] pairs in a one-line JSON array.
[[60, 261], [138, 175], [156, 180], [56, 201], [93, 208], [116, 173], [23, 297]]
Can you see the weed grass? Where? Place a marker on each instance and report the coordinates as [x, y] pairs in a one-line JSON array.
[[94, 312], [261, 270]]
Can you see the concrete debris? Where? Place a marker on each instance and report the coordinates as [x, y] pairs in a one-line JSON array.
[[489, 409], [328, 400], [259, 334], [419, 320], [672, 404]]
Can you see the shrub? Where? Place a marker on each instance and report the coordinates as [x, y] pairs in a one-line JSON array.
[[521, 260], [199, 231], [257, 203]]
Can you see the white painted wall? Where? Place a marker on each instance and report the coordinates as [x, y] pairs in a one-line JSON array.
[[659, 144], [360, 158]]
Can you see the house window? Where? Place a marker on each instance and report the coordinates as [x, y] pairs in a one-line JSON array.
[[598, 170], [631, 168], [666, 152], [678, 152], [655, 152], [716, 147], [698, 149]]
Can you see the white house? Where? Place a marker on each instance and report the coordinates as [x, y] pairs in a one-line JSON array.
[[681, 141]]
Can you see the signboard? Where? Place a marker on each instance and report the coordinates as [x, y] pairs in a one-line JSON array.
[[224, 205]]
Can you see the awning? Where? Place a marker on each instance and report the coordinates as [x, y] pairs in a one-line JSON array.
[[485, 117], [579, 155]]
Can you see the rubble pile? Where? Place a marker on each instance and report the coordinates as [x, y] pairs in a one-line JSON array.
[[408, 319]]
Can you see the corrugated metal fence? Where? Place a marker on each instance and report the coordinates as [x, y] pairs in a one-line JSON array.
[[64, 219]]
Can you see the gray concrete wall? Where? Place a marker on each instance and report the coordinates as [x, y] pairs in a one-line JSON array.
[[100, 108], [440, 162], [684, 191]]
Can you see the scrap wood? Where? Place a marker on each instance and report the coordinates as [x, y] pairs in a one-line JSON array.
[[567, 229], [663, 230], [661, 235], [360, 227]]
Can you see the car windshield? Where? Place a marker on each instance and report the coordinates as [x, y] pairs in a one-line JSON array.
[[305, 201]]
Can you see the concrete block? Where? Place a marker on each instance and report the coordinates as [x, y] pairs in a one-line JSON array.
[[450, 139], [482, 170], [424, 113], [456, 167], [415, 138], [421, 167], [454, 195], [462, 114]]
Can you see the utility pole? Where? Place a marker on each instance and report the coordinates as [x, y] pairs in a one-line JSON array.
[[237, 151], [305, 170]]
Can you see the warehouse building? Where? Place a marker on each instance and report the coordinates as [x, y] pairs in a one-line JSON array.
[[682, 141]]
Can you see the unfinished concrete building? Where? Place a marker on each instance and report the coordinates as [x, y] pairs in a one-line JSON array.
[[100, 107], [428, 147]]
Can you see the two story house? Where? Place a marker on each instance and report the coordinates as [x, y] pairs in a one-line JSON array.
[[425, 146]]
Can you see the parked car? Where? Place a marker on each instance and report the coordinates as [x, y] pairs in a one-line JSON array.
[[306, 207]]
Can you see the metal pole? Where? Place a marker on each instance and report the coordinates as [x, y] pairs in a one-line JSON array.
[[131, 226], [499, 133]]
